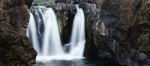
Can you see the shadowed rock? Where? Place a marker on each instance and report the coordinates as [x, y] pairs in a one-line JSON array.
[[15, 48]]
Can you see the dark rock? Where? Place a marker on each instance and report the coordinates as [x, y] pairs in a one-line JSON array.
[[15, 48], [65, 15], [142, 56], [127, 31], [29, 3]]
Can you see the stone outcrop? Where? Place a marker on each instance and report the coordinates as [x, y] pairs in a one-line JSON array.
[[127, 32], [15, 48]]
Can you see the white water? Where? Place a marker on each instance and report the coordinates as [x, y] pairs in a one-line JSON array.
[[32, 31], [78, 34], [52, 48], [51, 44], [103, 32]]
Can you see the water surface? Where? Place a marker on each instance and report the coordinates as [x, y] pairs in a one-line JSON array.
[[77, 63]]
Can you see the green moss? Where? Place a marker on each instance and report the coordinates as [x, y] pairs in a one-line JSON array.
[[60, 27]]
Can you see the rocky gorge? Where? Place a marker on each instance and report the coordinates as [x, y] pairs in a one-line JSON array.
[[115, 29]]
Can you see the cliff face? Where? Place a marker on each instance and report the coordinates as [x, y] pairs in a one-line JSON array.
[[127, 32], [15, 48], [115, 29]]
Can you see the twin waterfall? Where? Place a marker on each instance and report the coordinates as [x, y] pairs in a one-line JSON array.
[[44, 33]]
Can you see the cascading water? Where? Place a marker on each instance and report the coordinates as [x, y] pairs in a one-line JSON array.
[[51, 43], [78, 34], [32, 33], [49, 38]]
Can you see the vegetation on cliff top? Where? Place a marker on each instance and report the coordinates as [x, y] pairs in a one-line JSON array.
[[43, 1]]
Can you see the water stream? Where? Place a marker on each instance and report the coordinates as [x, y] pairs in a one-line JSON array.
[[44, 33]]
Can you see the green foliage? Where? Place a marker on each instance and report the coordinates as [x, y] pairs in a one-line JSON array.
[[43, 1]]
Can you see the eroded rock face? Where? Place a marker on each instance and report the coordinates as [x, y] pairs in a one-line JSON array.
[[15, 48], [127, 34]]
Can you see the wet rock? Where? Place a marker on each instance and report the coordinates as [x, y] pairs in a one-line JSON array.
[[65, 15], [142, 56]]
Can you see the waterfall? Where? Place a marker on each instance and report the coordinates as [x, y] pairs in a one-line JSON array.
[[32, 33], [44, 33], [51, 43], [78, 34]]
